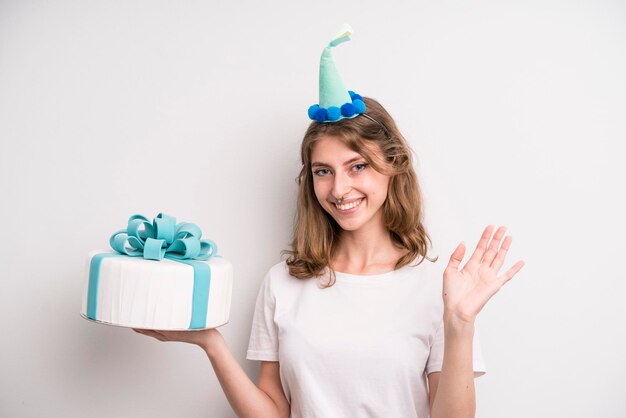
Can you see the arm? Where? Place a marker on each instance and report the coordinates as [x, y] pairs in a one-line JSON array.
[[451, 392], [465, 293], [433, 383], [267, 400], [247, 399]]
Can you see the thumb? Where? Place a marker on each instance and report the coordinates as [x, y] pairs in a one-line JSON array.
[[457, 257]]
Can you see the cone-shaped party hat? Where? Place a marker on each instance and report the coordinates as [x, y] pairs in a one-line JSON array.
[[335, 102]]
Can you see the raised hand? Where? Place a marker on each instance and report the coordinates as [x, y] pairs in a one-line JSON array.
[[467, 290]]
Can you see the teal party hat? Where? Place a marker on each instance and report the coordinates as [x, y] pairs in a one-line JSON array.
[[335, 102]]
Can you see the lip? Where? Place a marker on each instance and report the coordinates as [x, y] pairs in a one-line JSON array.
[[351, 210]]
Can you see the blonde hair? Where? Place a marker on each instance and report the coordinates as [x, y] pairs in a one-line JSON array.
[[315, 231]]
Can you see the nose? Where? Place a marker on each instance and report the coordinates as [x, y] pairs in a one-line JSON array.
[[341, 184]]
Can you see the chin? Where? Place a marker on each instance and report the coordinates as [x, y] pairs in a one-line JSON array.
[[351, 225]]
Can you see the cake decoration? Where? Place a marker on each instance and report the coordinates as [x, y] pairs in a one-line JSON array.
[[162, 238]]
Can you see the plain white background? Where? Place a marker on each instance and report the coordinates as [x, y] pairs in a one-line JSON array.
[[515, 111]]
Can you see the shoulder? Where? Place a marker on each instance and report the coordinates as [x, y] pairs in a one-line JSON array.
[[279, 279], [278, 274], [283, 289], [279, 269]]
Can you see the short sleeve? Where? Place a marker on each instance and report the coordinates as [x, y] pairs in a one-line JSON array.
[[435, 358], [263, 343]]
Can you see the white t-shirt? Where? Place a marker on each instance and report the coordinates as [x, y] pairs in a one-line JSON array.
[[361, 348]]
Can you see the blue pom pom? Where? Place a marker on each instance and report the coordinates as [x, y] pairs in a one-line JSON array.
[[347, 109], [334, 113], [356, 97], [351, 93], [359, 106], [321, 115], [313, 111]]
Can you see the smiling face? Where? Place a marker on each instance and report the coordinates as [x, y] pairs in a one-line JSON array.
[[340, 172]]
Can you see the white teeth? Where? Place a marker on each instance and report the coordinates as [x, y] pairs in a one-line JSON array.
[[349, 205]]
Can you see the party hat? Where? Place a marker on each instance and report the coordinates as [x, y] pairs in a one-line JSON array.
[[335, 102]]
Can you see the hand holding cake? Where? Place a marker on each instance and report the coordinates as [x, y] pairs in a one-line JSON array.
[[205, 339]]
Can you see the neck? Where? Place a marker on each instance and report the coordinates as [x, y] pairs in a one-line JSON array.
[[366, 249]]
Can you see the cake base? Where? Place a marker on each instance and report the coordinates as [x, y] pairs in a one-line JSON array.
[[143, 327]]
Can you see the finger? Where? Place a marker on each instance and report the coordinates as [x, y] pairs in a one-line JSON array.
[[154, 334], [481, 246], [493, 246], [159, 335], [456, 257], [499, 260], [512, 272]]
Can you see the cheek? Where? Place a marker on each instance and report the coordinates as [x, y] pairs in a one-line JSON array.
[[318, 189], [378, 188]]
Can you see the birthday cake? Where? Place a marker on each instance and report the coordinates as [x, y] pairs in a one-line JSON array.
[[158, 275]]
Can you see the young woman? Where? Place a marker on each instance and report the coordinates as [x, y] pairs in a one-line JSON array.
[[356, 321]]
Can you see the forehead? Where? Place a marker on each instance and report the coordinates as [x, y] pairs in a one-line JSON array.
[[332, 150]]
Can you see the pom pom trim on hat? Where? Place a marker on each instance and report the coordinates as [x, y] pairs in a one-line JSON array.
[[334, 113]]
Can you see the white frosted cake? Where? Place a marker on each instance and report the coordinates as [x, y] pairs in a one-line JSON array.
[[165, 294]]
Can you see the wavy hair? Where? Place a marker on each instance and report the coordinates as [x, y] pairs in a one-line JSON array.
[[315, 232]]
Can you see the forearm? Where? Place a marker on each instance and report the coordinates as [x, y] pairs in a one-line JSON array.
[[456, 397], [246, 399]]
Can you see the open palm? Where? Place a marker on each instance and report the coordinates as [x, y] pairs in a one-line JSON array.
[[467, 290]]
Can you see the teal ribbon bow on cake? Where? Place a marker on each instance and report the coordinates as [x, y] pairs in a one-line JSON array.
[[162, 238]]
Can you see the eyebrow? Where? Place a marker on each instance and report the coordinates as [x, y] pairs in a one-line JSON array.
[[319, 163]]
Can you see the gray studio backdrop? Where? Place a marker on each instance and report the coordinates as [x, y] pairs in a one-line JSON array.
[[515, 111]]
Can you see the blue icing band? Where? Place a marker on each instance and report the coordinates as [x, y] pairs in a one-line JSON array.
[[201, 286], [94, 280]]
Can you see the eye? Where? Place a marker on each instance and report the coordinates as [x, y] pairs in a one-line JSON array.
[[360, 167], [321, 172]]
